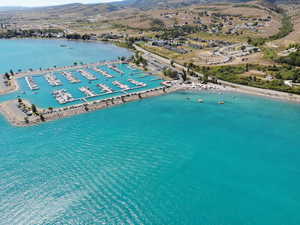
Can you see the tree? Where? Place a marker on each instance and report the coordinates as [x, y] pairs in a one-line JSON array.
[[26, 119], [205, 78], [172, 63], [184, 75], [42, 118], [247, 67], [7, 76], [33, 108]]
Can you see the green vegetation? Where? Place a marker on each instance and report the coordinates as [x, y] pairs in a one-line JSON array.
[[33, 108], [247, 6], [270, 53], [292, 59], [284, 30], [157, 23], [139, 60], [236, 74], [170, 73]]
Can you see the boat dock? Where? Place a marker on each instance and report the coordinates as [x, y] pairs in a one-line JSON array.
[[105, 88], [87, 91], [121, 85], [137, 83], [52, 79], [87, 75], [69, 76], [115, 68], [31, 83], [62, 96], [104, 73]]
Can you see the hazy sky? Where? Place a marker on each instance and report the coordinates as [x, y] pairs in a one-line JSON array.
[[45, 2]]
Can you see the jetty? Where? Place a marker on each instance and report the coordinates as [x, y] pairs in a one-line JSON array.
[[87, 91], [121, 85], [85, 106], [87, 75], [52, 79], [105, 88], [69, 76], [62, 96], [31, 83], [115, 68], [104, 73], [137, 83]]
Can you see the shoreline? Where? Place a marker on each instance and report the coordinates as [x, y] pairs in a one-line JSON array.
[[273, 94], [8, 108], [64, 112], [270, 94]]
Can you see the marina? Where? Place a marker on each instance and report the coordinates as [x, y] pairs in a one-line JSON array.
[[84, 94], [62, 96], [105, 88], [104, 73], [69, 76], [87, 91], [137, 83], [87, 75], [30, 82], [124, 87], [52, 79], [116, 69]]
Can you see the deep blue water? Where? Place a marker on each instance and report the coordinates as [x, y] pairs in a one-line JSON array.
[[167, 160]]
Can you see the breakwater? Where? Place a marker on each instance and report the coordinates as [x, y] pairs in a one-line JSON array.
[[68, 111]]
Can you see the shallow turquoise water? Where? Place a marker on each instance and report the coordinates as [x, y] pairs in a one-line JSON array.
[[164, 160], [44, 98], [33, 53], [30, 53]]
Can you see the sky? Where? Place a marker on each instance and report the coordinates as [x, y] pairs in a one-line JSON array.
[[46, 2]]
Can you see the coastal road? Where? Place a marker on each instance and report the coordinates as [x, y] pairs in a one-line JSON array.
[[238, 87]]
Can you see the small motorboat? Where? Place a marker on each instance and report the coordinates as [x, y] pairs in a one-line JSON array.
[[200, 100], [221, 102]]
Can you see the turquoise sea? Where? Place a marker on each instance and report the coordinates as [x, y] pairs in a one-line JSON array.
[[28, 54], [165, 160]]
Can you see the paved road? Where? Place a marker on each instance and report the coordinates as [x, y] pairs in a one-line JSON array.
[[238, 87]]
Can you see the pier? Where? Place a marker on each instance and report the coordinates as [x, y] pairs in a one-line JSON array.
[[137, 83], [87, 75], [121, 85], [104, 73], [115, 68], [62, 96], [69, 76], [31, 83], [52, 79], [87, 91], [105, 88]]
